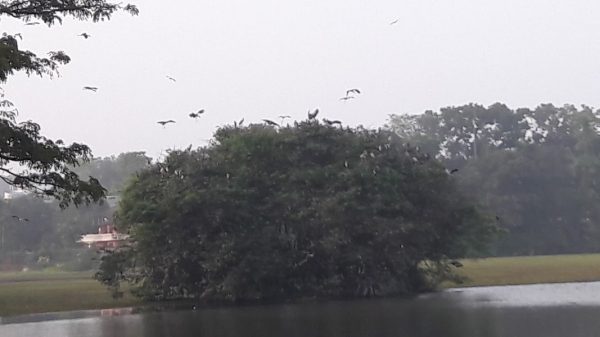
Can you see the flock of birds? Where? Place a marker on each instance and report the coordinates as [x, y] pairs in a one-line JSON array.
[[350, 94]]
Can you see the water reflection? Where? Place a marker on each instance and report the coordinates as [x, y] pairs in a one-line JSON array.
[[542, 310]]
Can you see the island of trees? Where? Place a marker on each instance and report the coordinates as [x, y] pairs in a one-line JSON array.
[[307, 210]]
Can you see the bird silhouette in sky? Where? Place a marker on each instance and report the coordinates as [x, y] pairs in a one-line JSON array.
[[345, 98], [32, 23], [197, 114], [94, 89], [19, 219], [163, 123], [352, 91], [394, 22], [85, 35], [313, 115], [171, 78], [270, 122]]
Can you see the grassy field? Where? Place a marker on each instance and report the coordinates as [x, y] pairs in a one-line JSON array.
[[530, 269], [31, 292]]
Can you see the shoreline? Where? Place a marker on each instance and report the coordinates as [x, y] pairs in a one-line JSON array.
[[53, 292]]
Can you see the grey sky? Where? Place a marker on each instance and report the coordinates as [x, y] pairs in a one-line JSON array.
[[259, 59]]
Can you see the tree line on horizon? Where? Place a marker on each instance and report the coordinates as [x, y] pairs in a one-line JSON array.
[[537, 170]]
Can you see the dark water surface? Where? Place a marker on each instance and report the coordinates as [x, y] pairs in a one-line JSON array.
[[571, 310]]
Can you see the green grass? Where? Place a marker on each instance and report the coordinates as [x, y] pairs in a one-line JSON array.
[[530, 269], [47, 291], [43, 276], [34, 292]]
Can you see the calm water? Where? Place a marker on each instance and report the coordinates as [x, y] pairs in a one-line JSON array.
[[569, 310]]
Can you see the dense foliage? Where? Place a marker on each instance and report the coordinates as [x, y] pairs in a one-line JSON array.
[[27, 159], [305, 210], [537, 169]]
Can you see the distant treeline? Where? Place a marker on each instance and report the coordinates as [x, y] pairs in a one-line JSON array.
[[36, 233], [537, 169]]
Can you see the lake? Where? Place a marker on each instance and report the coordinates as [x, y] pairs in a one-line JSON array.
[[568, 309]]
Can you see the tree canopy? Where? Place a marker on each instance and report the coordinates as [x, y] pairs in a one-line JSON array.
[[303, 210], [537, 169], [28, 159]]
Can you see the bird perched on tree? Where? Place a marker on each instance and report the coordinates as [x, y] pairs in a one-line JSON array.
[[94, 89], [270, 122], [19, 219], [329, 122], [171, 78], [85, 35], [313, 115], [163, 123]]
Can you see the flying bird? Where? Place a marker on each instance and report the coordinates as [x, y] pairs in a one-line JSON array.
[[346, 98], [94, 89], [19, 218], [453, 171], [163, 123], [352, 91], [197, 114], [171, 78], [85, 35], [32, 23], [313, 115], [240, 122], [270, 122], [394, 22]]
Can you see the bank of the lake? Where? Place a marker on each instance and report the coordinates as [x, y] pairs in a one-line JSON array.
[[529, 270], [36, 292]]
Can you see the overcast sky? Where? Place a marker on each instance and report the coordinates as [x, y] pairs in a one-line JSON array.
[[260, 59]]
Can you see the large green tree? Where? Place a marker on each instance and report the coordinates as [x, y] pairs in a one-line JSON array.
[[305, 210], [28, 159]]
